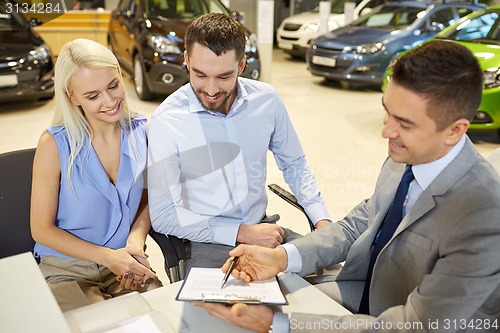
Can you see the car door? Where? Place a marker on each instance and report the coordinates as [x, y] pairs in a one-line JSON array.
[[121, 31]]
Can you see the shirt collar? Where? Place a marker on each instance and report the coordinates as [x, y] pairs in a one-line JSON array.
[[427, 172], [196, 106]]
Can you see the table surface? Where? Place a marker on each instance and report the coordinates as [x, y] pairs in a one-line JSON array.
[[184, 317], [31, 298]]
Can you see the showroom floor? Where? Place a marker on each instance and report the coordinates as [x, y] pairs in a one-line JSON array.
[[339, 129]]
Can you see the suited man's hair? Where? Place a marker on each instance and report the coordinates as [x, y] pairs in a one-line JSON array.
[[219, 32], [447, 75]]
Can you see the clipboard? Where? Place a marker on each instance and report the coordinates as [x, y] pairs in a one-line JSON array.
[[203, 285]]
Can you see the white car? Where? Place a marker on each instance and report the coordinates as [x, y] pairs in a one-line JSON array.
[[296, 32]]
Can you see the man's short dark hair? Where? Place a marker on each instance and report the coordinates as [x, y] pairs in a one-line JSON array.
[[447, 75], [219, 32]]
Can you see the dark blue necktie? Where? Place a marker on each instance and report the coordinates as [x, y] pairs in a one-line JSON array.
[[385, 232]]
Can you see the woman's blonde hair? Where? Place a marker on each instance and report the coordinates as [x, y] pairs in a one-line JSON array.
[[73, 56]]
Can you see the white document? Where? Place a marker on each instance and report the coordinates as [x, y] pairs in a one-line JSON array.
[[27, 303], [204, 284]]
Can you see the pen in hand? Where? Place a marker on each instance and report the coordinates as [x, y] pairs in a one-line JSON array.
[[229, 270]]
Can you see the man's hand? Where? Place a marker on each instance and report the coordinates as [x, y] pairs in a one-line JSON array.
[[256, 318], [263, 234], [257, 262], [322, 223], [123, 261]]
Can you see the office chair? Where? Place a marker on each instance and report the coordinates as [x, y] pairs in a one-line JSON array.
[[15, 195], [174, 255], [173, 249], [291, 199]]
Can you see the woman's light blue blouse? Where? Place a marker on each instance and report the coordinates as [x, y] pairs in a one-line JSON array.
[[91, 207]]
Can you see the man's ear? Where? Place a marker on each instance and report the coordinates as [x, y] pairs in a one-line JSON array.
[[242, 64], [456, 131], [186, 59]]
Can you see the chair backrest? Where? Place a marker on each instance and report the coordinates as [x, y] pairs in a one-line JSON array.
[[174, 255], [292, 200], [15, 197], [494, 159]]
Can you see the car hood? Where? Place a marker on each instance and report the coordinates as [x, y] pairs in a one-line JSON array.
[[172, 27], [354, 36], [488, 55], [16, 44]]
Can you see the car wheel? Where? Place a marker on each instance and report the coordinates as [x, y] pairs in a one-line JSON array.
[[255, 74], [141, 86]]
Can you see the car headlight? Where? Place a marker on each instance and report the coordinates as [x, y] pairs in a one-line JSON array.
[[164, 44], [251, 43], [366, 48], [491, 77], [312, 28], [40, 54]]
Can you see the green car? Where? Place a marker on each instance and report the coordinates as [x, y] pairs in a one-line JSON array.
[[480, 33]]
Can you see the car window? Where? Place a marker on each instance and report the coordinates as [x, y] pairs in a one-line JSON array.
[[462, 11], [124, 5], [182, 8], [390, 17], [374, 3], [9, 18], [337, 6], [484, 27], [443, 17]]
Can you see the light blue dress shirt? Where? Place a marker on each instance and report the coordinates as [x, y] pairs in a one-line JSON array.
[[91, 207], [207, 171], [424, 176]]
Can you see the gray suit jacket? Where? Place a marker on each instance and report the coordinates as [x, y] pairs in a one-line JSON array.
[[440, 272]]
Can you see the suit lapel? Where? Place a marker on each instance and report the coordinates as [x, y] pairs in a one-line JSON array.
[[443, 182]]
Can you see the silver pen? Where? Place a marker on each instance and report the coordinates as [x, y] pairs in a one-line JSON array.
[[230, 269]]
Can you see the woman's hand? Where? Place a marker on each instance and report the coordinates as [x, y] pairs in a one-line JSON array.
[[131, 266]]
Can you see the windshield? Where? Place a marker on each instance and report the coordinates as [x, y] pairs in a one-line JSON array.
[[389, 17], [483, 29], [337, 6], [178, 9], [9, 18]]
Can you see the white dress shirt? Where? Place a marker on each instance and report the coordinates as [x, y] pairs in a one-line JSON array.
[[207, 171]]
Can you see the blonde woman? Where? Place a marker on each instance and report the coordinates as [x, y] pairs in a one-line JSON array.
[[89, 214]]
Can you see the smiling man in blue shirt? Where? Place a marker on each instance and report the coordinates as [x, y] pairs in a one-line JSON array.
[[208, 145]]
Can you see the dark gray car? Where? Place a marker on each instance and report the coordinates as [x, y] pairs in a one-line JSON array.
[[147, 38], [26, 66]]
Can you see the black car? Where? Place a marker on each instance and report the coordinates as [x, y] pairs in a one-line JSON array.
[[26, 65], [147, 37]]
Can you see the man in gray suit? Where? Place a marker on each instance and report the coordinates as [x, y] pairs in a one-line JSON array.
[[439, 270]]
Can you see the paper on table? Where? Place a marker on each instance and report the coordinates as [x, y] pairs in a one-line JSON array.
[[203, 284]]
